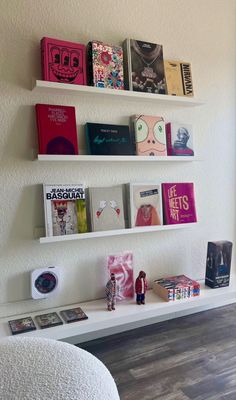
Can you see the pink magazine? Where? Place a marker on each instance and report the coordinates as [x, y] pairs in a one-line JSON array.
[[178, 203], [63, 61], [122, 266]]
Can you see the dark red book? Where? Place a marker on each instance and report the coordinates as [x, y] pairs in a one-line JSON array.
[[56, 129]]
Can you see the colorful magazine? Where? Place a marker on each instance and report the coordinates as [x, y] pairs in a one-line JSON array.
[[73, 315], [150, 135], [65, 209], [122, 266], [22, 325], [48, 320], [178, 203], [179, 139]]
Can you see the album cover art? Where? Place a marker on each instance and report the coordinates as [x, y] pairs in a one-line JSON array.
[[73, 315], [48, 320], [122, 266], [22, 325], [179, 137], [150, 135], [179, 203]]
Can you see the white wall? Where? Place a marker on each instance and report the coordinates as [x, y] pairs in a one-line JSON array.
[[202, 32]]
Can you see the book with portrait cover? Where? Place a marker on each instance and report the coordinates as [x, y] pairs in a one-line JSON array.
[[179, 137], [122, 266], [105, 65], [57, 132], [145, 204], [105, 139], [144, 66], [106, 208], [178, 203], [63, 61], [48, 320], [150, 135], [73, 315], [22, 325], [64, 209], [176, 288]]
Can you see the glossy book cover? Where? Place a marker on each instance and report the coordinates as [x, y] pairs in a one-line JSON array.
[[150, 135], [178, 203], [122, 266]]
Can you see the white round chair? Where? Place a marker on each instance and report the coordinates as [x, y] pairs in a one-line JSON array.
[[45, 369]]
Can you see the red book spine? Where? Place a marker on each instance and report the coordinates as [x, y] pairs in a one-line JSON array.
[[168, 139]]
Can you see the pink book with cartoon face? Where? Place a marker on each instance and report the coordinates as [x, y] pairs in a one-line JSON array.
[[122, 266], [178, 203], [150, 135], [63, 61]]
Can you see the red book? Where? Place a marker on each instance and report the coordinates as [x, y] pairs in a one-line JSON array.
[[63, 61], [178, 203], [56, 129]]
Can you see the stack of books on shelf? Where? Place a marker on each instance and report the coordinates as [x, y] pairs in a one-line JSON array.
[[176, 288]]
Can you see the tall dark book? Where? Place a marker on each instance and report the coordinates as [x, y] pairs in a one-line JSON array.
[[218, 263]]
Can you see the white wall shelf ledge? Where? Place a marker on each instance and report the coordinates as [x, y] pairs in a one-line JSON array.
[[128, 315], [115, 232], [76, 90], [92, 158]]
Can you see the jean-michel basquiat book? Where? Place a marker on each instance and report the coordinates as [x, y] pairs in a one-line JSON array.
[[63, 61], [65, 209], [57, 132], [176, 288], [179, 137], [178, 203], [122, 266], [21, 325], [144, 66], [150, 135], [106, 208], [105, 139], [105, 65]]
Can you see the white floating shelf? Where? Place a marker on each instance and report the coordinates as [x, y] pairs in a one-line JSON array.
[[89, 158], [75, 90], [115, 232], [128, 315]]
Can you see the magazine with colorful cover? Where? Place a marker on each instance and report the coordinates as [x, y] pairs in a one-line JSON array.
[[179, 203], [122, 266], [48, 320], [73, 315], [22, 325], [106, 208], [57, 132], [145, 202], [64, 209], [179, 137], [150, 135]]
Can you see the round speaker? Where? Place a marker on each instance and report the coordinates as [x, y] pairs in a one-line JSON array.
[[44, 282]]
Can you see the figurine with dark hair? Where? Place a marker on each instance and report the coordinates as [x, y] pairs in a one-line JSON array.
[[141, 287], [112, 289]]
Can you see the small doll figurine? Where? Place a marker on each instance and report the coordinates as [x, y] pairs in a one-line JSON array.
[[111, 292], [141, 287]]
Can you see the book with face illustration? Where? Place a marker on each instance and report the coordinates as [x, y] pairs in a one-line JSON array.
[[150, 135], [106, 208]]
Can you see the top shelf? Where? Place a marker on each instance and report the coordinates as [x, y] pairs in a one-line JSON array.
[[70, 89]]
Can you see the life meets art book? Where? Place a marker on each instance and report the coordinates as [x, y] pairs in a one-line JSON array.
[[179, 138], [73, 315], [104, 139], [63, 61], [48, 320], [145, 204], [178, 203], [57, 132], [150, 135], [122, 266], [22, 325], [65, 209]]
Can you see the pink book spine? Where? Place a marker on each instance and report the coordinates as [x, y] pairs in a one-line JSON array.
[[168, 139]]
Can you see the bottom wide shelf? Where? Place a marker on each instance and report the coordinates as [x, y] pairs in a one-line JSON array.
[[128, 315]]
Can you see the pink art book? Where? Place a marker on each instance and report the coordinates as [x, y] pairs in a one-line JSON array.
[[63, 61], [122, 266], [178, 203], [57, 132], [150, 135]]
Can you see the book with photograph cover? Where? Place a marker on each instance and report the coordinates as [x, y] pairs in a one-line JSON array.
[[64, 209], [122, 266], [178, 203], [176, 288], [63, 61], [145, 202], [105, 65], [57, 132], [150, 135], [21, 325], [73, 315], [106, 208], [105, 139], [144, 66], [173, 77], [48, 320], [179, 139]]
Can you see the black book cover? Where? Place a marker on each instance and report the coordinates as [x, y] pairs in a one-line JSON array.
[[104, 139]]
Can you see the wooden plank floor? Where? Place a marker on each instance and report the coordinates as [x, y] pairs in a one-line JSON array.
[[192, 357]]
